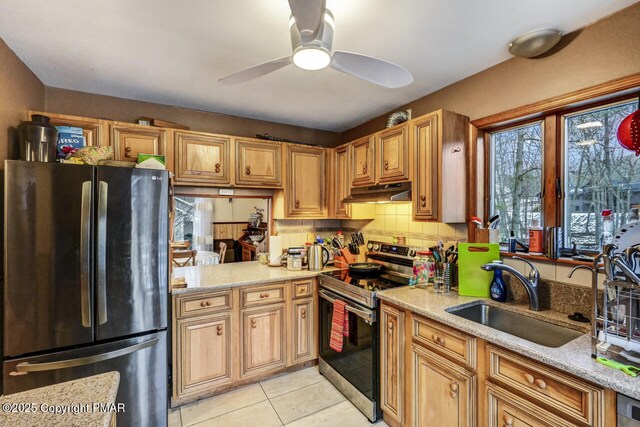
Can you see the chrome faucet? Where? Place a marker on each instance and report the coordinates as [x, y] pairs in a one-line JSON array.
[[530, 283]]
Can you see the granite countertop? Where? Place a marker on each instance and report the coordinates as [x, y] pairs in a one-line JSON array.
[[221, 276], [72, 403], [573, 357]]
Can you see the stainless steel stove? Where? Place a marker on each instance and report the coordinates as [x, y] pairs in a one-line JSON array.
[[354, 370]]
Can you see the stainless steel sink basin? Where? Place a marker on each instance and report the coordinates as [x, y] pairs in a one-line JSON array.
[[534, 330]]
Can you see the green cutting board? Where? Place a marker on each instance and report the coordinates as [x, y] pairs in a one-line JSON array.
[[472, 280]]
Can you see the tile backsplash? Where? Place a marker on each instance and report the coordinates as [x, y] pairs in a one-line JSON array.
[[294, 232]]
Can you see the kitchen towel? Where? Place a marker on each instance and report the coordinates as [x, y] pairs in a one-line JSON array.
[[339, 325]]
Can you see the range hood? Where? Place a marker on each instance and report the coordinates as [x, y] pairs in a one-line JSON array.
[[385, 193]]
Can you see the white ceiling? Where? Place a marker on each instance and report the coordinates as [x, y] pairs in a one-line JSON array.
[[173, 52]]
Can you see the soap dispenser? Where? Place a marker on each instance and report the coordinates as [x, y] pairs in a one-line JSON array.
[[498, 290]]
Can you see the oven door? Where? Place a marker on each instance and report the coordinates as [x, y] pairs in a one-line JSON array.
[[358, 361]]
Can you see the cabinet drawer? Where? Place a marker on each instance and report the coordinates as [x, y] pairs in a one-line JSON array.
[[447, 341], [262, 295], [201, 304], [303, 289], [574, 398]]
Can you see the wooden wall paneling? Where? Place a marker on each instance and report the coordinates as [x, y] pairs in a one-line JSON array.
[[472, 181], [551, 172]]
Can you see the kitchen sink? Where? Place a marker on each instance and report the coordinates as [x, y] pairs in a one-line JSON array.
[[528, 328]]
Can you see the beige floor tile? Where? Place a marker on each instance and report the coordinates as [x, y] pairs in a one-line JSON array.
[[218, 405], [290, 382], [305, 401], [261, 414], [174, 418], [342, 414]]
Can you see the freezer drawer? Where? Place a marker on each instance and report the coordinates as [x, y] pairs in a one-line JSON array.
[[141, 362]]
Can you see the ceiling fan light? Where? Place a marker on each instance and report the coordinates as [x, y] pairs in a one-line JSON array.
[[311, 58]]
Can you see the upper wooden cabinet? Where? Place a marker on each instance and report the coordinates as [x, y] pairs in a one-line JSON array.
[[363, 162], [439, 143], [304, 194], [202, 158], [94, 130], [258, 163], [338, 182], [129, 140], [392, 155]]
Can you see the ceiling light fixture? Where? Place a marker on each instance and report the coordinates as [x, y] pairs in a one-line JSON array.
[[315, 55], [534, 43], [589, 125]]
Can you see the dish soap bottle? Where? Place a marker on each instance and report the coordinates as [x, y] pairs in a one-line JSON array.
[[498, 289]]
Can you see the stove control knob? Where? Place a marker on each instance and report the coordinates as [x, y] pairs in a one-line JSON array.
[[412, 253], [376, 246], [369, 245]]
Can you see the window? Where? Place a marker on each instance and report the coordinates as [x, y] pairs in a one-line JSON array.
[[600, 173], [516, 178], [565, 170]]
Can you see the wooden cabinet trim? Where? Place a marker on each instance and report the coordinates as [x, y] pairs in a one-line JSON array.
[[560, 392], [392, 355], [303, 330], [196, 305], [305, 194], [275, 353], [268, 153], [363, 168], [393, 168], [424, 138], [262, 294], [120, 131], [303, 288], [450, 342], [217, 173]]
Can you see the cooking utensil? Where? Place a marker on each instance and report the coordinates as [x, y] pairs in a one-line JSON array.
[[493, 221], [362, 270], [627, 369]]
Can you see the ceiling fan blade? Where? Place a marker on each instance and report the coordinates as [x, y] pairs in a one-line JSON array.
[[309, 17], [256, 71], [371, 69]]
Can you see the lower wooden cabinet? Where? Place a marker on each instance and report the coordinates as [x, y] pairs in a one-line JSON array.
[[205, 352], [303, 330], [392, 351], [444, 394], [505, 409], [263, 344]]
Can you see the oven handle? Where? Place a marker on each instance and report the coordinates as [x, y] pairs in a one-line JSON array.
[[368, 315]]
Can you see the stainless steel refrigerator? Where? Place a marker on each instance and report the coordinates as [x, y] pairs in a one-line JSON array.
[[85, 284]]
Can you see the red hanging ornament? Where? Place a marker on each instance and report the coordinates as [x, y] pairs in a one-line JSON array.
[[629, 131]]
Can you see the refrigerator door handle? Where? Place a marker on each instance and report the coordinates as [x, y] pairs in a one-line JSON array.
[[85, 255], [26, 367], [103, 189]]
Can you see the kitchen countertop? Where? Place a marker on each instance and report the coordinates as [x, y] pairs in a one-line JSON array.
[[573, 357], [221, 276], [38, 407]]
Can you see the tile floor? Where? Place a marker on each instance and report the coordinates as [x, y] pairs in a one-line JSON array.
[[299, 399]]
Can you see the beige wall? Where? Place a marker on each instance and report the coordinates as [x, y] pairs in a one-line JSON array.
[[603, 51], [90, 105]]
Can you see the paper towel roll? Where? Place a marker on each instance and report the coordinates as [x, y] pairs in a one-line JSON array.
[[275, 249]]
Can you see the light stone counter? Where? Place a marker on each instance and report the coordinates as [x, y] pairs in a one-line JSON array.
[[573, 357], [221, 276], [74, 401]]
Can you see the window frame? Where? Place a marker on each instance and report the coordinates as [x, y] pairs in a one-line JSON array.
[[553, 153]]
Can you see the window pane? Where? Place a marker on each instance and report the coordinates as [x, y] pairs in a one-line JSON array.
[[600, 174], [516, 178]]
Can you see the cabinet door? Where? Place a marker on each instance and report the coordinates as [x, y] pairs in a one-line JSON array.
[[202, 158], [203, 354], [505, 409], [363, 162], [130, 140], [444, 393], [94, 130], [340, 183], [305, 195], [263, 344], [303, 332], [392, 348], [393, 154], [424, 132], [258, 164]]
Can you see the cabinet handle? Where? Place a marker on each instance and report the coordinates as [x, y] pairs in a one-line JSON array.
[[541, 384], [127, 151], [219, 330], [390, 326], [304, 313], [529, 378], [261, 295], [508, 421], [203, 304], [217, 167], [364, 167], [297, 203], [208, 303], [453, 394], [423, 200], [438, 339], [386, 164], [253, 323], [453, 386], [247, 170]]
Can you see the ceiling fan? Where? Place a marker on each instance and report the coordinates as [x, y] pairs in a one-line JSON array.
[[311, 29]]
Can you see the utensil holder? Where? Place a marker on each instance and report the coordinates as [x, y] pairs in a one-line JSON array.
[[487, 235]]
